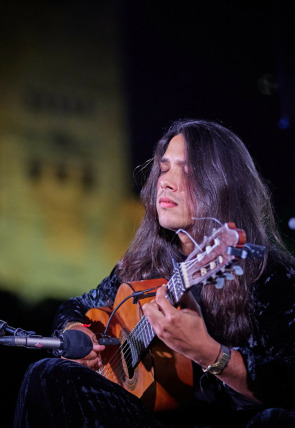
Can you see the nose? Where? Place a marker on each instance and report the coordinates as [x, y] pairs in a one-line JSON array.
[[169, 181]]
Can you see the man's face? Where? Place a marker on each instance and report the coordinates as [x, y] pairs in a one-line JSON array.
[[174, 206]]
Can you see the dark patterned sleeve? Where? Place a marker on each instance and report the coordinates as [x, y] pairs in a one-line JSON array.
[[74, 309], [270, 356]]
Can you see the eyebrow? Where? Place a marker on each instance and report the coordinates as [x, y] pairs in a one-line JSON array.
[[179, 162]]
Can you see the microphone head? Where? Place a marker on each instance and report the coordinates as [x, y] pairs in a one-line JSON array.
[[76, 344]]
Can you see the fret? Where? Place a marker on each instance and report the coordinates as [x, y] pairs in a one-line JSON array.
[[175, 288], [140, 338], [143, 333], [133, 347]]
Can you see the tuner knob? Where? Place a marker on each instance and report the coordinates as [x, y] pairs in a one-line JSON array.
[[229, 276], [219, 283], [238, 270]]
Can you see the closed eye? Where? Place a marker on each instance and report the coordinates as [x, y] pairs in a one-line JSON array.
[[164, 166]]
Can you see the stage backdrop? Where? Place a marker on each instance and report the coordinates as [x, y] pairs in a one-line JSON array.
[[67, 213]]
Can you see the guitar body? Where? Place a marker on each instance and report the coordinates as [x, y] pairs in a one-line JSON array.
[[163, 378]]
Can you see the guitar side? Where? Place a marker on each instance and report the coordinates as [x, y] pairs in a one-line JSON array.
[[163, 378]]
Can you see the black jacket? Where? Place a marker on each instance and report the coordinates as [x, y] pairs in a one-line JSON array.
[[269, 354]]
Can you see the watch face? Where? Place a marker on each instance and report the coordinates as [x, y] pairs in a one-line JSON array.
[[215, 370], [218, 367], [221, 364]]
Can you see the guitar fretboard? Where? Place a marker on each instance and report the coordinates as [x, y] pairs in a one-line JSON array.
[[142, 335]]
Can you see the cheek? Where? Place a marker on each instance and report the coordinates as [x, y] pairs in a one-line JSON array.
[[158, 185]]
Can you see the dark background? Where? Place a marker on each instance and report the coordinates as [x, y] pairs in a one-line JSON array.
[[228, 61], [232, 62]]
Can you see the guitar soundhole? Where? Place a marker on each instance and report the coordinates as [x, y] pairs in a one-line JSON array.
[[127, 361], [130, 374]]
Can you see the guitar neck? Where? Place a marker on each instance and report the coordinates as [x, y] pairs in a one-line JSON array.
[[142, 335]]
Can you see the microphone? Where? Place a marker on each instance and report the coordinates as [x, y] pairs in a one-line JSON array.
[[72, 344]]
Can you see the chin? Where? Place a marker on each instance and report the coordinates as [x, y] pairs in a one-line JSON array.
[[168, 226], [171, 225]]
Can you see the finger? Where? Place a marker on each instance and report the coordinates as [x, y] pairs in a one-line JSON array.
[[100, 363], [153, 313], [91, 363], [162, 301], [98, 348]]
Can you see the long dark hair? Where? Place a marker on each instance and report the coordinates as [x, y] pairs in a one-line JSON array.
[[224, 184]]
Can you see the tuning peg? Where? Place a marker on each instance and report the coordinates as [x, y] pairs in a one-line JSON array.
[[228, 276], [238, 270], [219, 282]]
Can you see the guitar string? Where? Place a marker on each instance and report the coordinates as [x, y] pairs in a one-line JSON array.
[[146, 323], [116, 360], [143, 323], [113, 366], [128, 361], [118, 354], [124, 345], [121, 349]]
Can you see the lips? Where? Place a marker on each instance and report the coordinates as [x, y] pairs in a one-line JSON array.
[[166, 202]]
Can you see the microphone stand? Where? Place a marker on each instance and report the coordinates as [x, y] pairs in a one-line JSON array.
[[5, 328]]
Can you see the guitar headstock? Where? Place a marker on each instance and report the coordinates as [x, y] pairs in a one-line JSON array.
[[215, 259]]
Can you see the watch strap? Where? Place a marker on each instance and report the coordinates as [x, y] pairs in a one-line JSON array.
[[217, 367]]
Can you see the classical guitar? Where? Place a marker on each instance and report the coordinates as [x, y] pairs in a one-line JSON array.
[[140, 362]]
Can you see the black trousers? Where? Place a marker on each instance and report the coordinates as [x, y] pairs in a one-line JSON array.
[[61, 393]]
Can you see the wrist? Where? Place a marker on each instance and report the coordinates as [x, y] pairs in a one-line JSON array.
[[73, 324], [220, 363], [208, 354]]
